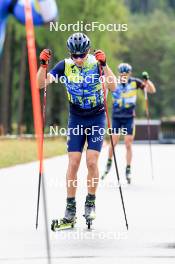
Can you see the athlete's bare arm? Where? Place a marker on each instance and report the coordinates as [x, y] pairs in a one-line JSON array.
[[110, 79], [41, 77], [150, 87]]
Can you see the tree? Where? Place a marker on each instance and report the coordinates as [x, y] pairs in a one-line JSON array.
[[22, 79], [150, 51], [7, 82]]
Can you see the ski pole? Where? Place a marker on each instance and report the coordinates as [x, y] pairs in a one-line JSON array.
[[42, 146], [36, 105], [112, 144], [146, 77]]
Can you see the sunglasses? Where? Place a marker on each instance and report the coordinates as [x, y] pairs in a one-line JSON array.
[[76, 56], [126, 72]]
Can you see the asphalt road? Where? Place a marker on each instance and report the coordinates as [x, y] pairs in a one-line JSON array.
[[149, 206]]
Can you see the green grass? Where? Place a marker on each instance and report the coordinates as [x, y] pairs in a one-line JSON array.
[[18, 151]]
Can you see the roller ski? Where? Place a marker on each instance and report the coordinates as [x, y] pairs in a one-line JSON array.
[[69, 220], [108, 167], [63, 224], [90, 210], [128, 174]]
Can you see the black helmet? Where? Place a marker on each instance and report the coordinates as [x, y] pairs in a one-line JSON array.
[[124, 67], [78, 43]]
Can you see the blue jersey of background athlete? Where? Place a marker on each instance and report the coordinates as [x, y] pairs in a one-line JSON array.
[[125, 97], [82, 83]]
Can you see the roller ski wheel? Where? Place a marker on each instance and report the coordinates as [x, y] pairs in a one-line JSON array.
[[89, 223], [63, 224]]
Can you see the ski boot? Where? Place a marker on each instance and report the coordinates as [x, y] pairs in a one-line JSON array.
[[128, 174], [89, 210], [108, 167], [69, 219]]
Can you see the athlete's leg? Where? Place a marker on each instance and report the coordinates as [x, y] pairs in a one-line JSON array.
[[116, 125], [115, 139], [129, 124], [93, 173], [71, 180], [71, 176], [92, 182], [75, 144], [95, 142], [128, 143]]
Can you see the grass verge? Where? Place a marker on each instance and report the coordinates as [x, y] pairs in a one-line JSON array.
[[18, 151]]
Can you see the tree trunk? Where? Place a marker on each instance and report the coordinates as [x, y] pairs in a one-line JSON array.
[[144, 6], [22, 87], [7, 80]]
